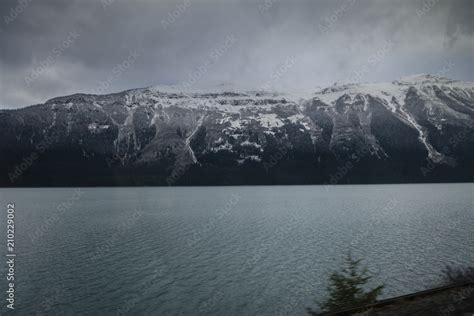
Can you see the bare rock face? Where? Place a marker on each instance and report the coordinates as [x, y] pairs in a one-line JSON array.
[[417, 129]]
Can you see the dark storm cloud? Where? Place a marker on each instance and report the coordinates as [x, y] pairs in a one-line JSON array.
[[52, 48]]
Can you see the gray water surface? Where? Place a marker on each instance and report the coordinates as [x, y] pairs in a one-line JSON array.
[[227, 250]]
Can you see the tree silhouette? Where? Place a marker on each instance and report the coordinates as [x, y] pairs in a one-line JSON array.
[[346, 289], [458, 275]]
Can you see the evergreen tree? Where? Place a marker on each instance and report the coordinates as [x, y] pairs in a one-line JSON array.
[[346, 289]]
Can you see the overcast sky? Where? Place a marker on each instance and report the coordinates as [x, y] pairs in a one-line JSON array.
[[51, 48]]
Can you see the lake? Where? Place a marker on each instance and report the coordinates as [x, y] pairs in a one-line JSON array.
[[251, 250]]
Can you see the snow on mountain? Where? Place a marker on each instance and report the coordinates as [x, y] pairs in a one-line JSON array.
[[427, 87], [417, 115]]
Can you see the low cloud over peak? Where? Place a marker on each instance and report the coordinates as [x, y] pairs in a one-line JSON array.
[[52, 48]]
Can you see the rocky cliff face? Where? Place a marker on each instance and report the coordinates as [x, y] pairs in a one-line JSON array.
[[417, 129]]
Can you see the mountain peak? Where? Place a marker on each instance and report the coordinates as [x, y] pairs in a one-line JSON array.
[[419, 79]]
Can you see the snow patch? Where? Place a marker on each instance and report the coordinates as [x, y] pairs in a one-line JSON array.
[[248, 143], [269, 120]]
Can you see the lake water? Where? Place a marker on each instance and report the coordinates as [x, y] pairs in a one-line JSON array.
[[227, 250]]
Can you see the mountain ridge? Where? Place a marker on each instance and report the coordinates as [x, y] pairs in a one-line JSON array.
[[416, 129]]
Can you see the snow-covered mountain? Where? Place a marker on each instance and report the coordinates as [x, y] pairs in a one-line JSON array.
[[418, 128]]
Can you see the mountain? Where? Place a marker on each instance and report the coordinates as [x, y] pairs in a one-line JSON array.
[[416, 129]]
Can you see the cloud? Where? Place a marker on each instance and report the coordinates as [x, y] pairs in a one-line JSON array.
[[328, 41]]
